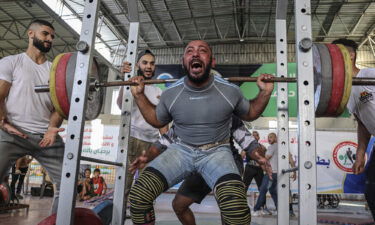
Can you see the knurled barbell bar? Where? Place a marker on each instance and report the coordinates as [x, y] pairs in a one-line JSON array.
[[332, 82]]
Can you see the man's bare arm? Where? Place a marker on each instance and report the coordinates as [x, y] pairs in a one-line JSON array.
[[293, 165], [104, 187], [18, 163], [259, 103], [164, 130], [4, 124], [119, 98], [55, 120], [257, 155], [363, 139], [148, 110], [52, 131], [145, 158], [4, 91], [291, 161]]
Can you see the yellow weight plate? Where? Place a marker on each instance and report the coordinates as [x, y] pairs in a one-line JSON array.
[[348, 79], [52, 86]]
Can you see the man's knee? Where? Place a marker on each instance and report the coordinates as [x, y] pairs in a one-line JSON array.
[[181, 203], [231, 197], [142, 195]]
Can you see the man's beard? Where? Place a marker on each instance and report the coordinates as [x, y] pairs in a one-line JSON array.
[[39, 44], [140, 73], [201, 79]]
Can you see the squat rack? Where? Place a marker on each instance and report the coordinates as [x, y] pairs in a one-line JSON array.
[[306, 115], [81, 85]]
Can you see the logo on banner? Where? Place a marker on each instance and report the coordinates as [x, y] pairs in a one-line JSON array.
[[165, 76], [344, 155]]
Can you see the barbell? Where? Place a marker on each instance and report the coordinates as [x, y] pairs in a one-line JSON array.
[[333, 81]]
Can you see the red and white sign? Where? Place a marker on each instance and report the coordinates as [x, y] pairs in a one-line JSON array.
[[344, 155]]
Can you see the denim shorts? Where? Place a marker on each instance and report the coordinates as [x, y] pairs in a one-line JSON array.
[[180, 160]]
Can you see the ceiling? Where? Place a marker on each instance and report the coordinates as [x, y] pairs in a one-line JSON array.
[[173, 23], [166, 23]]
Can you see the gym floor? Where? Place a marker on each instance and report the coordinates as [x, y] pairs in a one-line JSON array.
[[205, 213]]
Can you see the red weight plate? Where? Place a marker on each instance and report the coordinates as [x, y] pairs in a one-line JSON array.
[[4, 194], [61, 91], [82, 216], [338, 79]]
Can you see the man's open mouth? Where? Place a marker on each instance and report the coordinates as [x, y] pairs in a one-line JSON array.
[[196, 66]]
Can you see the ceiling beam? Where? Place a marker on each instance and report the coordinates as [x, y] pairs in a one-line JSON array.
[[165, 20], [368, 33], [121, 35], [354, 28], [235, 12], [80, 18], [269, 18], [193, 19], [333, 12], [9, 30], [66, 26], [157, 27], [217, 29], [173, 22], [123, 31]]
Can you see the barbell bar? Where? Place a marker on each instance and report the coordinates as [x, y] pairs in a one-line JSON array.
[[95, 85]]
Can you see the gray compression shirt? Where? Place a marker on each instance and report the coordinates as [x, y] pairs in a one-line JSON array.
[[201, 115]]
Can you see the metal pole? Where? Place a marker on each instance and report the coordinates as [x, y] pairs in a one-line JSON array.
[[118, 216], [282, 114], [73, 146], [306, 114]]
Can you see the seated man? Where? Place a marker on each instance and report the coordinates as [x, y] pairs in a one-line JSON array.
[[201, 107], [194, 188], [100, 187]]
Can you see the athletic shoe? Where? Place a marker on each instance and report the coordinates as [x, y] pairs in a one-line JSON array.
[[257, 213], [274, 213], [19, 196], [291, 214], [265, 211]]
